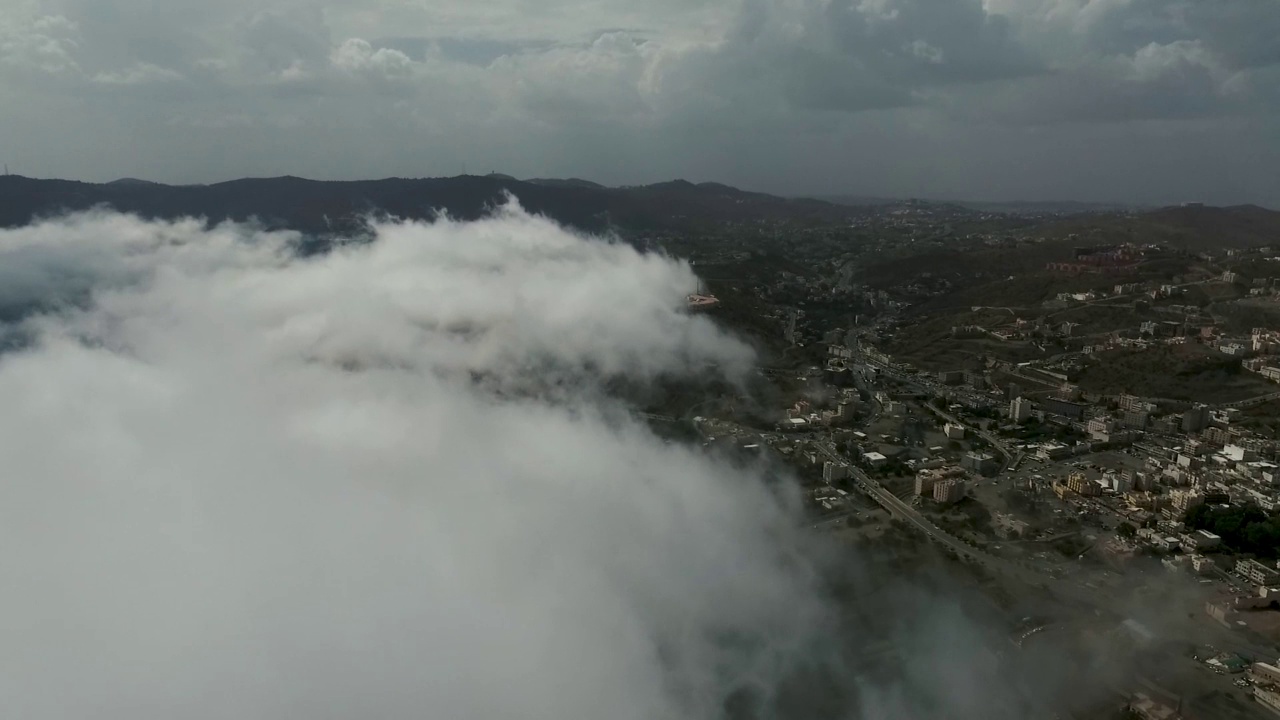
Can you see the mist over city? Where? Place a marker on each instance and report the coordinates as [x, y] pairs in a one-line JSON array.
[[728, 360]]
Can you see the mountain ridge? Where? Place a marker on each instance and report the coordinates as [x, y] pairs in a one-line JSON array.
[[320, 206]]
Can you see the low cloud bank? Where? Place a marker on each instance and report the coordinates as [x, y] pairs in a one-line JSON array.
[[240, 483], [243, 484]]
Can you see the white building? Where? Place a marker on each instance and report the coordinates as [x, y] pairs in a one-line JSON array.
[[953, 431], [949, 491], [1202, 565], [1235, 453], [1020, 409], [834, 472]]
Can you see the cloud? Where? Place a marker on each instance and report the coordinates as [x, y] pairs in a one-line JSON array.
[[851, 57], [392, 480], [45, 44], [140, 74], [750, 92], [357, 55], [245, 484]]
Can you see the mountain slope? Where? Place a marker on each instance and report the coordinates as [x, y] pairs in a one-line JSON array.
[[334, 206]]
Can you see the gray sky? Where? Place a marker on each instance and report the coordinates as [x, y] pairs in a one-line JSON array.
[[1135, 100]]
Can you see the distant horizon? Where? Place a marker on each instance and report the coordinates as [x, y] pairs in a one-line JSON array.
[[833, 197]]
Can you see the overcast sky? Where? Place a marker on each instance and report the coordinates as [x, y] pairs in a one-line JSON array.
[[1136, 100]]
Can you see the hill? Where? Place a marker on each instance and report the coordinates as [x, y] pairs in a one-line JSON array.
[[322, 207], [1192, 227], [1189, 373]]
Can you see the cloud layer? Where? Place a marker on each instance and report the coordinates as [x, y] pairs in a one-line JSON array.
[[1066, 98], [240, 484]]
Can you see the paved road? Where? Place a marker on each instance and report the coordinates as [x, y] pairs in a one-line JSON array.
[[1012, 458], [1248, 402], [905, 512]]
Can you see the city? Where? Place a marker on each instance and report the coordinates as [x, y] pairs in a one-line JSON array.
[[1019, 444]]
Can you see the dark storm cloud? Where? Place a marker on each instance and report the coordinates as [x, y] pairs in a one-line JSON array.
[[408, 87]]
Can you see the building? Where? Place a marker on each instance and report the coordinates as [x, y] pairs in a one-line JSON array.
[[1225, 416], [949, 492], [953, 431], [834, 472], [1256, 572], [1195, 419], [981, 463], [1267, 697], [1080, 484], [1065, 408], [1135, 419], [1053, 451], [1203, 565], [1264, 674], [1133, 403], [1235, 453], [1216, 435], [1008, 527], [1101, 428], [1145, 707], [1020, 409], [875, 459], [1206, 540], [928, 478], [1167, 425], [1199, 541], [1183, 500], [1220, 611]]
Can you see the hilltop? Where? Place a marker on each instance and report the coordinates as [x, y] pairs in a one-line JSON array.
[[321, 207]]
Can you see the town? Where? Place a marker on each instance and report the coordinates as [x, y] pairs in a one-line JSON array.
[[1089, 426]]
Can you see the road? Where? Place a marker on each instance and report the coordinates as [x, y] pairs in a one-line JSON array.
[[903, 511], [1012, 458], [1248, 402]]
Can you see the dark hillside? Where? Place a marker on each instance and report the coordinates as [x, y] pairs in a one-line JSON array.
[[322, 206]]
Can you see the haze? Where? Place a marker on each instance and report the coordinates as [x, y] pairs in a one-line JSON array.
[[1147, 101]]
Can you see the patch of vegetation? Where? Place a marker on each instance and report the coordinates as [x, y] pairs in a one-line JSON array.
[[1188, 373], [1245, 528]]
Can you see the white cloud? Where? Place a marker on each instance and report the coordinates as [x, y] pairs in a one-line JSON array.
[[357, 55], [1156, 61], [140, 74], [240, 484], [618, 91], [41, 43]]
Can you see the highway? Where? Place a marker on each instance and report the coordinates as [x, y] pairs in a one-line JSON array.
[[1248, 402], [903, 511], [1012, 458]]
